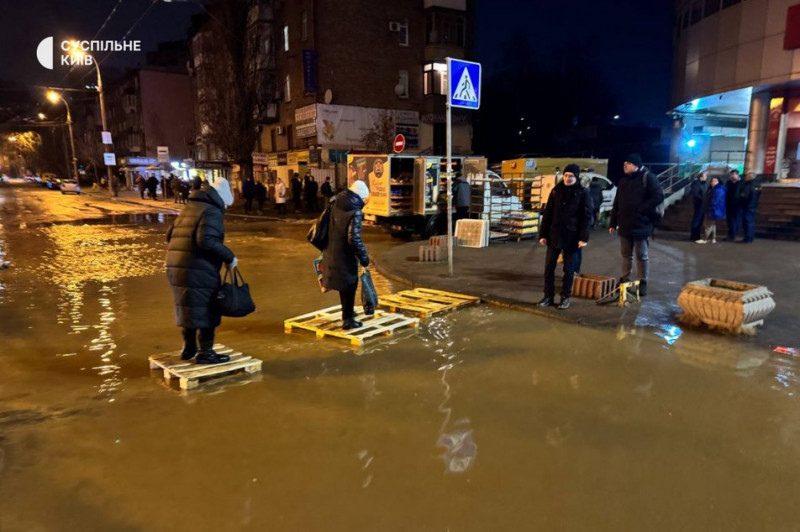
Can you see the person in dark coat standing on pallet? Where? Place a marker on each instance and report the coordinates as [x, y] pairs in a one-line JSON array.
[[633, 217], [733, 213], [564, 228], [195, 254], [697, 191], [346, 249], [748, 203]]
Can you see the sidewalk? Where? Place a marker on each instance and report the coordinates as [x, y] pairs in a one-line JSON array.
[[511, 274]]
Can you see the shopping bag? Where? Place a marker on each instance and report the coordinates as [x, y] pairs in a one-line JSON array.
[[369, 297], [318, 234], [233, 298], [318, 272]]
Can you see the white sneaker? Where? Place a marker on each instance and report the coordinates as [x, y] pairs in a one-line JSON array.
[[713, 240], [701, 241]]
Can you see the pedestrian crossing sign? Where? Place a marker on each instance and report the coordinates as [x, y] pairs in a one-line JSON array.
[[464, 80]]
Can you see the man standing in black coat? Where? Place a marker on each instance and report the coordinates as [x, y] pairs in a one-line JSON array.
[[310, 188], [732, 211], [564, 228], [697, 191], [346, 249], [633, 216], [195, 254], [297, 191], [748, 203]]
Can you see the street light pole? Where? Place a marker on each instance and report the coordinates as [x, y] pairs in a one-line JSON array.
[[112, 185], [54, 97]]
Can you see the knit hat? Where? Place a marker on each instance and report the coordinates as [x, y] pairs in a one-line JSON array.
[[223, 188], [360, 188], [574, 169], [635, 159]]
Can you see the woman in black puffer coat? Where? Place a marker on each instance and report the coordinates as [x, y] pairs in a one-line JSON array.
[[195, 254], [346, 249]]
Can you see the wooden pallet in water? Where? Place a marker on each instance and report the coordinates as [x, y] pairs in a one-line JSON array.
[[425, 301], [189, 372], [328, 322]]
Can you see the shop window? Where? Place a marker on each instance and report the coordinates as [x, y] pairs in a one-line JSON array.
[[304, 26], [434, 78], [711, 7], [286, 38]]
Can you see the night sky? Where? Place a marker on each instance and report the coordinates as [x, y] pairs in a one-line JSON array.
[[629, 42]]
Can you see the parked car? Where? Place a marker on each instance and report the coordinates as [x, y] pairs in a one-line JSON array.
[[70, 186]]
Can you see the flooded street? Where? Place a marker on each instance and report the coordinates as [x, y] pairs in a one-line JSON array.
[[481, 419]]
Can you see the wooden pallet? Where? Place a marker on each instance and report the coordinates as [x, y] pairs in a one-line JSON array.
[[425, 301], [328, 322], [190, 372]]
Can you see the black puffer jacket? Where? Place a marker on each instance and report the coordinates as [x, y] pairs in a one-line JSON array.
[[345, 247], [697, 191], [638, 195], [195, 255], [567, 217]]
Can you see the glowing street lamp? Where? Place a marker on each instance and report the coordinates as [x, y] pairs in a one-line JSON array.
[[41, 116], [55, 97]]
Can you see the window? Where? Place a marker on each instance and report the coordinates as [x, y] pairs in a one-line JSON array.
[[402, 81], [287, 89], [402, 35], [290, 136], [434, 78], [697, 11], [444, 28], [286, 38], [273, 139], [304, 26], [712, 6]]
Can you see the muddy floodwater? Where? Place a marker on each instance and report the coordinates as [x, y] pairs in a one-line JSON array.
[[482, 419]]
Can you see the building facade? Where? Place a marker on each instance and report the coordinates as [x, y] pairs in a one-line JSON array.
[[736, 95]]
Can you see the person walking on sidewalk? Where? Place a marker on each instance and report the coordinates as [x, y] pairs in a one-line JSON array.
[[297, 191], [633, 216], [732, 212], [248, 193], [748, 204], [260, 194], [564, 228], [346, 249], [461, 197], [195, 255], [176, 189], [697, 191], [141, 184], [152, 187], [327, 190], [714, 209], [280, 196]]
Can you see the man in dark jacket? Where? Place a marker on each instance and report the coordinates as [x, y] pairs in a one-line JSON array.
[[596, 192], [346, 249], [310, 188], [248, 193], [152, 185], [748, 203], [327, 190], [697, 191], [260, 194], [564, 228], [733, 214], [633, 216], [195, 254], [297, 191], [461, 197]]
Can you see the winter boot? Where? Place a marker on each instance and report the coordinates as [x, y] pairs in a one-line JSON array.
[[189, 344], [351, 324], [206, 354]]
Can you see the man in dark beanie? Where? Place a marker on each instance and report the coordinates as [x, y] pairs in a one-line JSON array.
[[633, 217], [564, 228]]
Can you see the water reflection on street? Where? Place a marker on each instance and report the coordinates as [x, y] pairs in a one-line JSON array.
[[578, 428]]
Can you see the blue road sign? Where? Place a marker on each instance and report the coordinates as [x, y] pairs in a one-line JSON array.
[[464, 80]]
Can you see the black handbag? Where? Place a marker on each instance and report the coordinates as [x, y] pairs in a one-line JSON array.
[[318, 234], [369, 297], [233, 298]]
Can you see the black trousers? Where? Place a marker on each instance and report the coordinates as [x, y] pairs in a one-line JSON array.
[[749, 224], [462, 213], [550, 263], [697, 224], [248, 203], [734, 216], [348, 300], [190, 339]]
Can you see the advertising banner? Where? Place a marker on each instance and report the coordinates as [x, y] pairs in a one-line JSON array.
[[346, 125], [773, 134], [374, 171], [305, 121]]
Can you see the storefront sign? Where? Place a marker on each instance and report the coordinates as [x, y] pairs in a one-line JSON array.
[[302, 157], [139, 161], [260, 158], [273, 159], [346, 125], [309, 71], [211, 164], [305, 121], [313, 157], [163, 154], [282, 159], [292, 158], [773, 134]]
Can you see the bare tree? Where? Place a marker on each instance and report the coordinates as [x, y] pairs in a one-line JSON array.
[[231, 97], [90, 152], [380, 137]]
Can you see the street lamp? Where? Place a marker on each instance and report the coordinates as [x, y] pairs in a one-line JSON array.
[[55, 97], [79, 54], [41, 116]]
